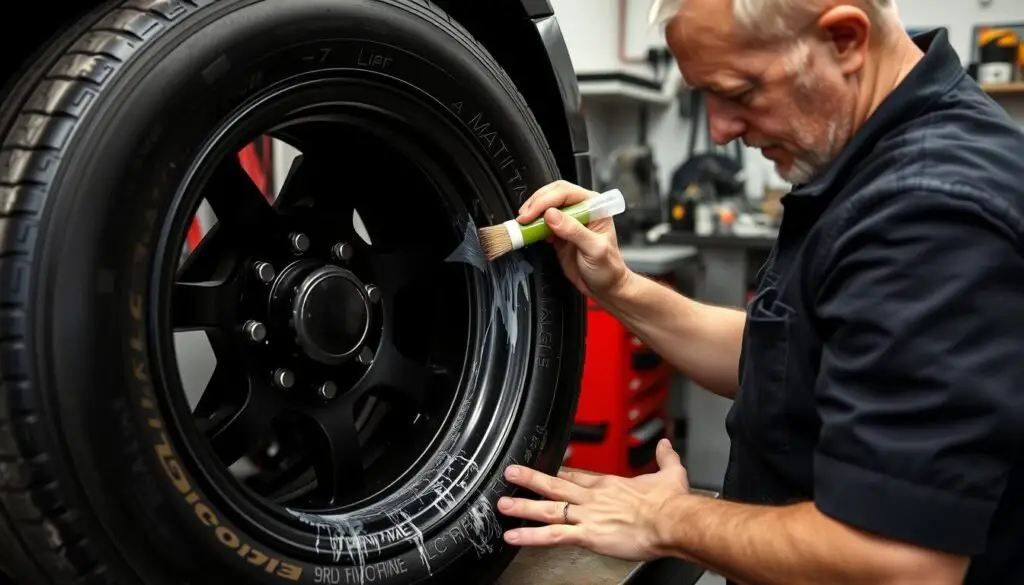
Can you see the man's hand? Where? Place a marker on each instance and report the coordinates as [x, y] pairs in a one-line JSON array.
[[655, 516], [589, 254], [612, 516]]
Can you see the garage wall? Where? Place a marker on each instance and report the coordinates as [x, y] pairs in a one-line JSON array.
[[591, 30]]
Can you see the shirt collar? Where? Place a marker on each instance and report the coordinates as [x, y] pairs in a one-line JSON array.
[[931, 78]]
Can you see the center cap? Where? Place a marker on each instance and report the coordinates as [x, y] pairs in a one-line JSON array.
[[331, 314]]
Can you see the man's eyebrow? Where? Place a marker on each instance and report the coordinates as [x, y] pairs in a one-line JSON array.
[[719, 89]]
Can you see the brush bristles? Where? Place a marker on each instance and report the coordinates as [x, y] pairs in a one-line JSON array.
[[495, 241]]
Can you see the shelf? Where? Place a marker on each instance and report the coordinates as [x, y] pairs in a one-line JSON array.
[[619, 90], [618, 86], [1016, 88]]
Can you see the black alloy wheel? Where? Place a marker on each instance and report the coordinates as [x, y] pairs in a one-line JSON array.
[[340, 354]]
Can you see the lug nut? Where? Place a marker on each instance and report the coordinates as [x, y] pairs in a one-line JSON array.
[[255, 331], [284, 379], [373, 293], [264, 271], [342, 251], [365, 356], [300, 242], [328, 390]]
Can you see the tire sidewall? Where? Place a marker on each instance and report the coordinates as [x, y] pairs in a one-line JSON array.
[[116, 188]]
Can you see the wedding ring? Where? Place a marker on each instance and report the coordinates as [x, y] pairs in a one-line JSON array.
[[565, 513]]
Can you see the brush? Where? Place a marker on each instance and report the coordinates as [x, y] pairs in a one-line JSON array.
[[498, 240]]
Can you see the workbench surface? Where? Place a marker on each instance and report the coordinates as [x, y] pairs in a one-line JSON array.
[[657, 259], [578, 566], [565, 566]]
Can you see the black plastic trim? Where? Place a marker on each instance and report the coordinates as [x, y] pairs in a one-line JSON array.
[[537, 8], [585, 170], [568, 84]]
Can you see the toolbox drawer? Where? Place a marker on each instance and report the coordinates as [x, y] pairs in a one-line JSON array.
[[624, 387]]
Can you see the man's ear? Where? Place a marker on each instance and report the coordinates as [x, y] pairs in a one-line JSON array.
[[848, 30]]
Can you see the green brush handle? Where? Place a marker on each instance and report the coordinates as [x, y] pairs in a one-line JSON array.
[[591, 209], [538, 230]]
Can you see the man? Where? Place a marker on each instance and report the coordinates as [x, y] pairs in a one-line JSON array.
[[878, 376]]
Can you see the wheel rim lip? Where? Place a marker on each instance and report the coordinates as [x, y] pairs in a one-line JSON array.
[[290, 530]]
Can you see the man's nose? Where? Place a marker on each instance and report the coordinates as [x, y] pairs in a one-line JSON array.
[[726, 125]]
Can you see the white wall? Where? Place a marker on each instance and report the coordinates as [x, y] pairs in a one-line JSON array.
[[960, 17], [591, 27]]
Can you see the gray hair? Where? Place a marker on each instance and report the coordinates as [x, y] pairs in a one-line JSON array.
[[765, 20]]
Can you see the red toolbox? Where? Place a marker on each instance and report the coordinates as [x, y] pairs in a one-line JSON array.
[[622, 409]]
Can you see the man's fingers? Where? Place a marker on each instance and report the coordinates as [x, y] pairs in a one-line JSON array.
[[557, 194], [666, 455], [568, 228], [556, 534], [551, 488], [586, 480], [537, 510]]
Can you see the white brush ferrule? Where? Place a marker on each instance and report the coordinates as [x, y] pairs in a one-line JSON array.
[[514, 233]]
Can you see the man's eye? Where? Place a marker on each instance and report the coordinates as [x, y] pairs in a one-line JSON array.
[[744, 97]]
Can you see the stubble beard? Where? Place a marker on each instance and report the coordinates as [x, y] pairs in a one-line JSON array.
[[810, 163]]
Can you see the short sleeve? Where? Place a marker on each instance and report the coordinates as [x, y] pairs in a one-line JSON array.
[[921, 383]]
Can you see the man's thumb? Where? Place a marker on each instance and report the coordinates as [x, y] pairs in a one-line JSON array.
[[666, 455], [571, 230]]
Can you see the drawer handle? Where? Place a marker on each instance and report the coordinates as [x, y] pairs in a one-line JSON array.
[[645, 360], [584, 433]]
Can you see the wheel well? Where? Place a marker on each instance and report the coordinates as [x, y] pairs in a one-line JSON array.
[[37, 30], [505, 29], [500, 25]]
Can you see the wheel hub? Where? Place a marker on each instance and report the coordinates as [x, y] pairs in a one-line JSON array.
[[331, 314]]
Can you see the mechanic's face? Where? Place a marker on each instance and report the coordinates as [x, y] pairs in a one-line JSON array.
[[796, 105]]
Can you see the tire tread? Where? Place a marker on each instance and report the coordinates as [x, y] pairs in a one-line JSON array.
[[50, 100]]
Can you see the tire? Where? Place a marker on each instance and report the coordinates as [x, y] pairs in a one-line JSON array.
[[104, 478]]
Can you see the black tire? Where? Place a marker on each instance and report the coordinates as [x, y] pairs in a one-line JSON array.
[[101, 480]]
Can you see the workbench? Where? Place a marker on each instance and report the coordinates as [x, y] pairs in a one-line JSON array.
[[658, 259], [575, 566], [578, 566]]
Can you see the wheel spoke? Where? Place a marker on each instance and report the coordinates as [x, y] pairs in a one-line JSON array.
[[300, 186], [238, 202], [335, 452], [201, 305], [226, 388], [286, 484], [397, 378], [394, 270], [211, 259], [238, 429], [314, 179]]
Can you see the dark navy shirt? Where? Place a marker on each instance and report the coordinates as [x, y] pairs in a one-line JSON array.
[[882, 369]]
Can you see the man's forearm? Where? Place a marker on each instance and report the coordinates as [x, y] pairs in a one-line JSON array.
[[701, 341], [793, 545]]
